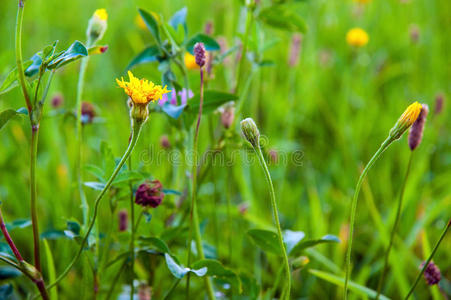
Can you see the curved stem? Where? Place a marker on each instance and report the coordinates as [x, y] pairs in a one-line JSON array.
[[395, 227], [378, 153], [276, 220], [135, 135], [426, 263], [34, 214], [19, 60]]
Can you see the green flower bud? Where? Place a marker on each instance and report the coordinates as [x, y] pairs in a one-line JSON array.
[[250, 132]]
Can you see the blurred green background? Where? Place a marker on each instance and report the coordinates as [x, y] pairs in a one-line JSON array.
[[336, 107]]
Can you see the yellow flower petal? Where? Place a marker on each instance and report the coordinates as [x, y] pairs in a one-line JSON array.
[[141, 91]]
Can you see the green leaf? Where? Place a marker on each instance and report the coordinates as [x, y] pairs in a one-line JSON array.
[[7, 115], [209, 42], [265, 240], [149, 54], [6, 292], [154, 242], [329, 238], [212, 100], [126, 176], [75, 51], [151, 24], [95, 185], [21, 223], [282, 17], [179, 18], [339, 281], [216, 269], [179, 271], [50, 269], [291, 238], [11, 81], [7, 272], [33, 68]]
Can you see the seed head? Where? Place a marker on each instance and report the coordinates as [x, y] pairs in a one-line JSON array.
[[199, 54], [149, 193], [416, 131], [250, 132], [432, 274], [406, 120]]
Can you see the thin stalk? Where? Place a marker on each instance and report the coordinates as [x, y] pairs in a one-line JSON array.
[[276, 220], [378, 153], [395, 227], [244, 49], [172, 288], [33, 208], [115, 279], [8, 238], [136, 129], [132, 236], [78, 161], [442, 236], [194, 218], [19, 60]]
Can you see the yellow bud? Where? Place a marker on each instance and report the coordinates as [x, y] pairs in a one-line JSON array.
[[97, 25], [406, 120], [357, 37]]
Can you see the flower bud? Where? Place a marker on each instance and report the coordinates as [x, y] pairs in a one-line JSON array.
[[295, 50], [227, 114], [123, 220], [300, 262], [250, 132], [97, 25], [199, 54], [406, 120], [164, 142], [439, 99], [57, 100], [274, 156], [139, 112], [416, 131], [87, 112], [149, 193], [432, 274]]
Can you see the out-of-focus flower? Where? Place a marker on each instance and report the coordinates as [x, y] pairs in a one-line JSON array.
[[140, 22], [414, 33], [123, 220], [164, 142], [144, 292], [149, 193], [190, 61], [416, 131], [200, 54], [184, 95], [295, 50], [227, 112], [208, 28], [57, 100], [97, 50], [141, 92], [439, 100], [432, 273], [274, 156], [362, 1], [243, 208], [325, 58], [88, 112], [357, 37], [97, 25], [406, 120]]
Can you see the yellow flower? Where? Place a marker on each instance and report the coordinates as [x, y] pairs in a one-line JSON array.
[[190, 61], [141, 91], [101, 14], [357, 37], [406, 120], [140, 22], [362, 1]]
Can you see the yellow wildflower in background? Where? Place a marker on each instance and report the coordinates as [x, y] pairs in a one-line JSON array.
[[362, 1], [141, 91], [101, 14], [140, 22], [406, 120], [357, 37], [190, 61]]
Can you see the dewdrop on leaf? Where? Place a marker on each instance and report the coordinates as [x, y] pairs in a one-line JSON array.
[[406, 120]]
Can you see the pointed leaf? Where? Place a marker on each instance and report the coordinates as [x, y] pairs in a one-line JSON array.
[[265, 240], [149, 54], [151, 24], [7, 115], [329, 238], [282, 17], [209, 42], [154, 242], [291, 238], [95, 185], [75, 51], [179, 18], [216, 269], [180, 271]]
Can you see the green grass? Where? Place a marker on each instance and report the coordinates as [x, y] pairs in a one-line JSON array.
[[332, 110]]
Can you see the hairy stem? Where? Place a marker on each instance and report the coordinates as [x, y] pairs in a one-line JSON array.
[[275, 211], [378, 153], [136, 128], [395, 227]]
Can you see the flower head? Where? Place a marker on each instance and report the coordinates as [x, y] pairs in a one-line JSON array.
[[97, 25], [357, 37], [200, 54], [416, 131], [141, 91], [432, 274], [149, 194], [57, 100], [406, 120], [88, 112]]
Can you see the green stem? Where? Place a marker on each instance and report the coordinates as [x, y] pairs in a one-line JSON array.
[[276, 219], [395, 227], [442, 236], [78, 161], [194, 218], [244, 49], [172, 288], [115, 279], [136, 129], [33, 208], [378, 153], [19, 60], [132, 236]]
